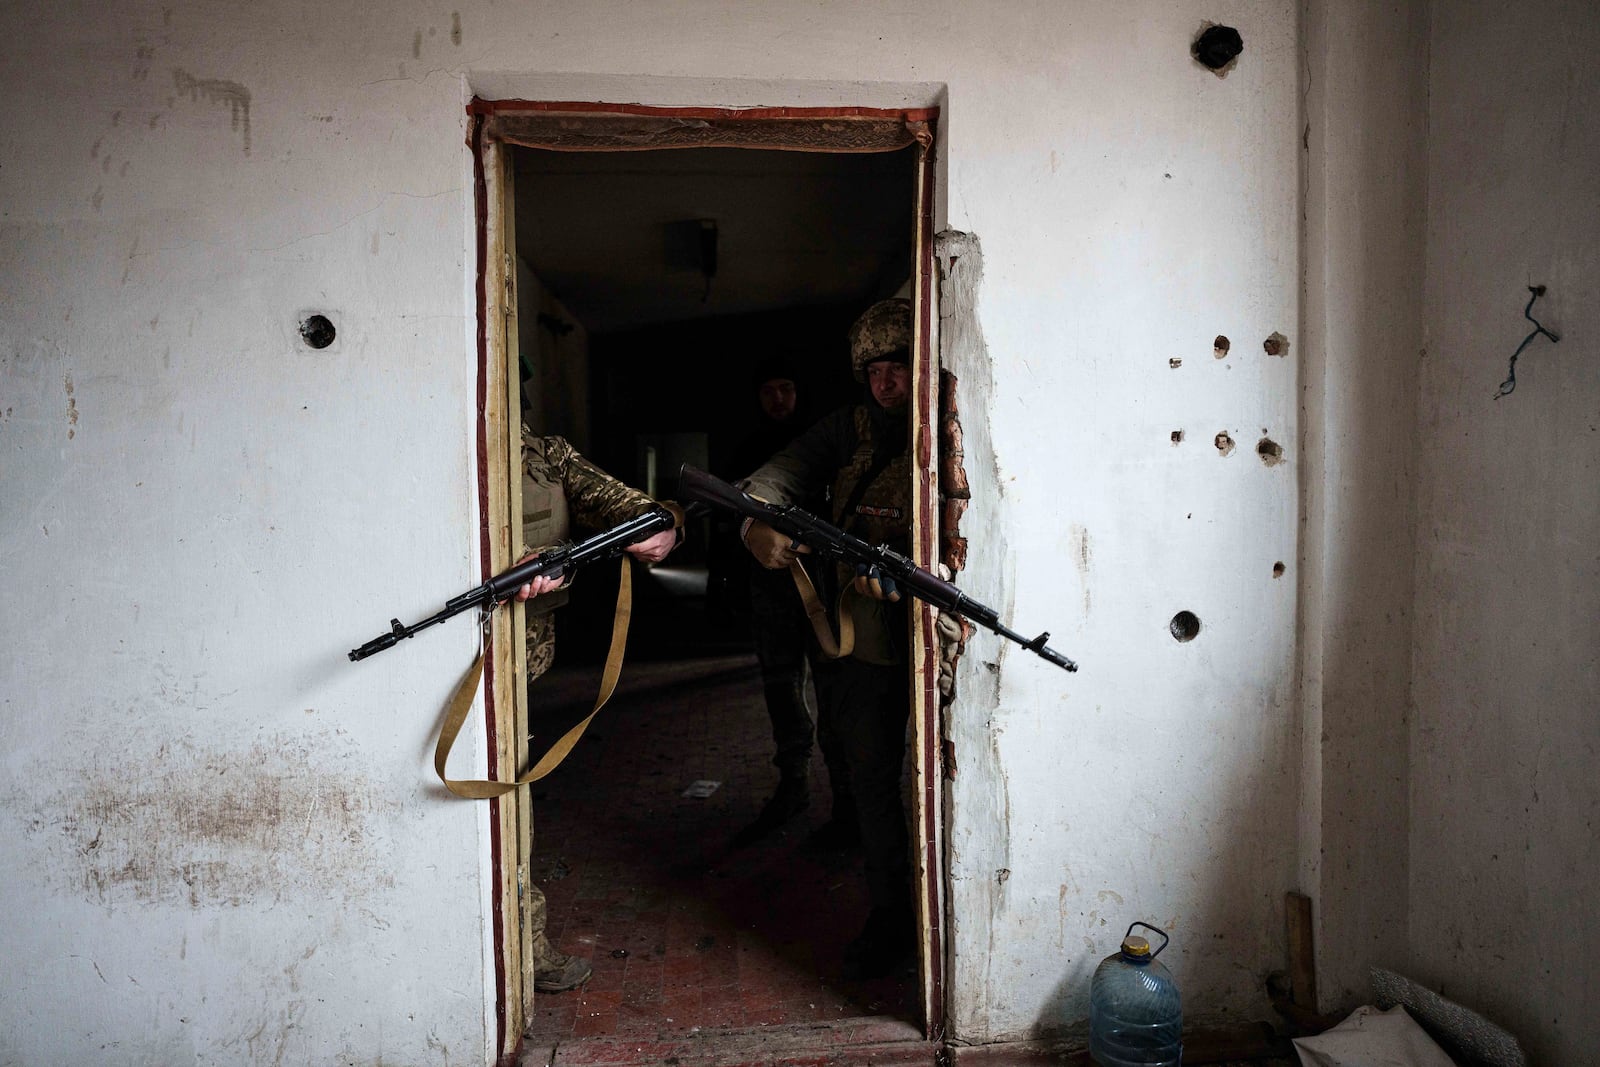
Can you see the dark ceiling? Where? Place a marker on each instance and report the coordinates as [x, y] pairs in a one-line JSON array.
[[617, 235]]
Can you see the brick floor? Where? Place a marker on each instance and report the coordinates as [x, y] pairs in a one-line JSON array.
[[701, 953]]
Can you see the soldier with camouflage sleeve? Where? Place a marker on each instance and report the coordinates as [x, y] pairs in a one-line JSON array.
[[560, 488]]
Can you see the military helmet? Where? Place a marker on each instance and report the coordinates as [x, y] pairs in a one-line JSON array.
[[883, 329]]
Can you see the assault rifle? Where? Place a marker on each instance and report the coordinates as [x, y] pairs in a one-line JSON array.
[[553, 563], [833, 543]]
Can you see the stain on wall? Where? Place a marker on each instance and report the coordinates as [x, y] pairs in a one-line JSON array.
[[200, 829], [232, 95], [72, 410], [1081, 558]]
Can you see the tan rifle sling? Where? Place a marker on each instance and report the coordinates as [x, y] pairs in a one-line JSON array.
[[461, 700]]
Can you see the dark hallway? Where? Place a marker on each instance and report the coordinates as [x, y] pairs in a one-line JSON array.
[[657, 290]]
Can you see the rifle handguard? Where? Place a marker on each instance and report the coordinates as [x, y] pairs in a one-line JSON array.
[[825, 539], [556, 561]]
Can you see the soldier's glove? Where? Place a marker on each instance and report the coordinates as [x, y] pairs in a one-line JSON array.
[[773, 550], [872, 582]]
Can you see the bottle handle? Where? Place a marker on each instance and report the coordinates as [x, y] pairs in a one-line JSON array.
[[1147, 926]]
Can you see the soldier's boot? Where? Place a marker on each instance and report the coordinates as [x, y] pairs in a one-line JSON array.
[[792, 796], [557, 972]]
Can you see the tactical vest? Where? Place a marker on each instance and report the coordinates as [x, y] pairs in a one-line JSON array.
[[878, 512], [546, 519]]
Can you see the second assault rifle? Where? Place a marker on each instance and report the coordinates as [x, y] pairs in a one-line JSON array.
[[831, 542], [553, 563]]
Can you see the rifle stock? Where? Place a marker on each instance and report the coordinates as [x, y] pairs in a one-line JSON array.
[[829, 541]]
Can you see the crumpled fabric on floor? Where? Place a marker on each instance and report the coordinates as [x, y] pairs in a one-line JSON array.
[[1373, 1038]]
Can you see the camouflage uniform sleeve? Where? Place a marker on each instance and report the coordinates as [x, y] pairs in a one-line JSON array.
[[598, 501], [808, 465]]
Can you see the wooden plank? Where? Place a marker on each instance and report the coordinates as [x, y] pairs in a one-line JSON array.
[[928, 787], [501, 445], [1302, 951]]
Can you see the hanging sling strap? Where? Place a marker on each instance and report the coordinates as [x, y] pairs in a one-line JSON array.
[[461, 703], [816, 611]]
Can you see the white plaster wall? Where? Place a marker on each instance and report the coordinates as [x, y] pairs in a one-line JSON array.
[[201, 515], [220, 842], [1365, 211], [1504, 860], [1131, 206]]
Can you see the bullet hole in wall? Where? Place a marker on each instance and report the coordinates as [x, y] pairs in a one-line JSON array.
[[1277, 569], [1224, 443], [1276, 345], [1270, 451], [1220, 346], [317, 331], [1217, 48], [1177, 437], [1174, 362], [1185, 626]]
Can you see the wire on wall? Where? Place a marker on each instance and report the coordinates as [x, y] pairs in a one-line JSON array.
[[1510, 384]]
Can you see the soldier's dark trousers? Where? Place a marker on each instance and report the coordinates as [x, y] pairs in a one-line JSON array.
[[867, 707], [779, 628], [784, 646]]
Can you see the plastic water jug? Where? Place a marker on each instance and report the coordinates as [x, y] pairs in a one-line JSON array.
[[1134, 1014]]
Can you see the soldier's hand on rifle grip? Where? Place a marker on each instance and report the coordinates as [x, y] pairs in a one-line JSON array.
[[542, 584], [872, 582], [773, 550], [654, 549]]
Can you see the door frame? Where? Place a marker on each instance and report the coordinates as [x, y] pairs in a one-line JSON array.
[[814, 129]]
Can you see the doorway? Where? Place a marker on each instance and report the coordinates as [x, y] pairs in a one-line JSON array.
[[649, 287]]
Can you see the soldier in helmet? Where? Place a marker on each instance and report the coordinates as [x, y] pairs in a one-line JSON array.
[[559, 489], [859, 456]]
